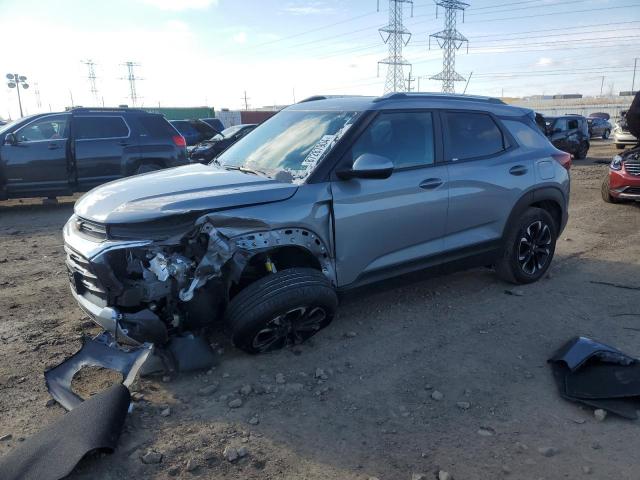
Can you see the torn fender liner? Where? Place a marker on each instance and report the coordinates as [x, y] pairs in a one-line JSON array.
[[101, 351], [597, 375], [577, 351], [52, 453]]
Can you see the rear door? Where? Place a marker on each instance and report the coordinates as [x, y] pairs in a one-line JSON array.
[[486, 178], [385, 226], [37, 164], [102, 146]]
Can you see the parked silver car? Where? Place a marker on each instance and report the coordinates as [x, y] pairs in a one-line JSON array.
[[327, 195]]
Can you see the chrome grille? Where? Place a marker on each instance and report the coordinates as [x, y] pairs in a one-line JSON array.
[[91, 229], [81, 276], [632, 167]]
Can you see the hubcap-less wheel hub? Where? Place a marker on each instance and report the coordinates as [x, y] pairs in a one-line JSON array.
[[291, 327], [534, 248]]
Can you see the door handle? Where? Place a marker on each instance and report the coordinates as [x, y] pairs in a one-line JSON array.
[[518, 170], [123, 143], [431, 183], [53, 146]]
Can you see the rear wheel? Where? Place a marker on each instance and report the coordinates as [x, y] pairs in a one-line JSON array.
[[281, 309], [529, 247], [583, 149], [605, 190]]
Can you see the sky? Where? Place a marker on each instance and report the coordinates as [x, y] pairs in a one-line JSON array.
[[210, 52]]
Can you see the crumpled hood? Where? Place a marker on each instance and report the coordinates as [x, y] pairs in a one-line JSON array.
[[177, 191]]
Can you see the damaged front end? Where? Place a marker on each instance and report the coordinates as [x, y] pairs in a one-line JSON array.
[[147, 291], [153, 290]]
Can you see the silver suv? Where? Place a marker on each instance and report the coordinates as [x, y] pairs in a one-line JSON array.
[[327, 195]]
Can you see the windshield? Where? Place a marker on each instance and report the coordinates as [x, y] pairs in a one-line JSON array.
[[226, 133], [291, 142], [8, 126]]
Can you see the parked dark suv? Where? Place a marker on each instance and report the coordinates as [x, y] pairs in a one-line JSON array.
[[57, 154], [327, 195], [206, 151], [569, 133]]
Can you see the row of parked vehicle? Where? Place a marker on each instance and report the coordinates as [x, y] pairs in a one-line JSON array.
[[56, 154]]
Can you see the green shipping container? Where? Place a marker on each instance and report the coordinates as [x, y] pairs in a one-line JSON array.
[[183, 113]]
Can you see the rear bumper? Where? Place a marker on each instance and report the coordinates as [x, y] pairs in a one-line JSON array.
[[624, 138]]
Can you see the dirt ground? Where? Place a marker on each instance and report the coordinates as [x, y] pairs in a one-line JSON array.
[[357, 401]]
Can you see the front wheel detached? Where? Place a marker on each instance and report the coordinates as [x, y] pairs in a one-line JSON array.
[[281, 309]]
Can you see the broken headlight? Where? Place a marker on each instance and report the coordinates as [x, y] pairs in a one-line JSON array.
[[616, 163]]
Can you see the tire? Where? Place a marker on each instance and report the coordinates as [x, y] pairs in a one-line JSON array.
[[534, 227], [619, 146], [583, 149], [606, 195], [605, 134], [268, 314], [148, 167]]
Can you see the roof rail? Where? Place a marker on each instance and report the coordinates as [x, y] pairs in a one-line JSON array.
[[106, 109], [326, 97], [450, 96]]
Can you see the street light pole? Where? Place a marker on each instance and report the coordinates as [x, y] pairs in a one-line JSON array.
[[633, 83], [16, 81]]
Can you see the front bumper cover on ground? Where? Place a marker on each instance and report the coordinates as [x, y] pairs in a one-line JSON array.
[[101, 351]]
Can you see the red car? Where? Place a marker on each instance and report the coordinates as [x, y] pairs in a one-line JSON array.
[[623, 180]]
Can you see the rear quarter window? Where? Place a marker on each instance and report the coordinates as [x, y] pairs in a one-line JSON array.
[[472, 135], [156, 126], [525, 135]]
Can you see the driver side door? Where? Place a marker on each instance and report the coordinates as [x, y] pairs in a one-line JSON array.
[[37, 163], [384, 227]]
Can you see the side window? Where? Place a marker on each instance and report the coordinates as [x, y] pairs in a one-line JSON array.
[[156, 126], [52, 127], [572, 124], [100, 127], [561, 125], [407, 139], [472, 135]]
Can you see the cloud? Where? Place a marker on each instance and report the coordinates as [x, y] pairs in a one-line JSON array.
[[308, 8], [544, 62], [240, 37], [179, 5]]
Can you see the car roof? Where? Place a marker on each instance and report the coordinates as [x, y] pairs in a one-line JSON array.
[[407, 100]]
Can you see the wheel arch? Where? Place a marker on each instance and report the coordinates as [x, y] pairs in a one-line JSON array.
[[550, 199]]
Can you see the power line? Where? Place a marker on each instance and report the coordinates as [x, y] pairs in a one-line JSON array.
[[449, 40], [396, 33], [91, 76], [131, 78]]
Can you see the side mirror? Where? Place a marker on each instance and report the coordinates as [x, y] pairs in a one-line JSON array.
[[368, 165], [10, 139]]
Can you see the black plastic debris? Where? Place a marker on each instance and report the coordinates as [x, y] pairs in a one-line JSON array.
[[52, 453], [101, 351], [183, 353], [598, 375]]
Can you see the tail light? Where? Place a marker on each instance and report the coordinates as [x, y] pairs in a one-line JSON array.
[[563, 158], [179, 141]]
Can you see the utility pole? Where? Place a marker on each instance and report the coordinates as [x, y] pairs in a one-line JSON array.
[[36, 91], [396, 36], [410, 79], [71, 96], [91, 76], [601, 85], [15, 80], [633, 83], [449, 40], [246, 101], [131, 78]]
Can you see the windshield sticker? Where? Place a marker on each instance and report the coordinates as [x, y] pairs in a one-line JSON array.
[[318, 150]]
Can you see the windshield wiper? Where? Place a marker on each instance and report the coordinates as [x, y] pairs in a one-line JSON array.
[[244, 169]]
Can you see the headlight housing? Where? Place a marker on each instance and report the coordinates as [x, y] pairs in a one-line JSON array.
[[616, 163]]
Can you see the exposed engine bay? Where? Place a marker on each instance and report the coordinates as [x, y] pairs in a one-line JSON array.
[[158, 289]]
